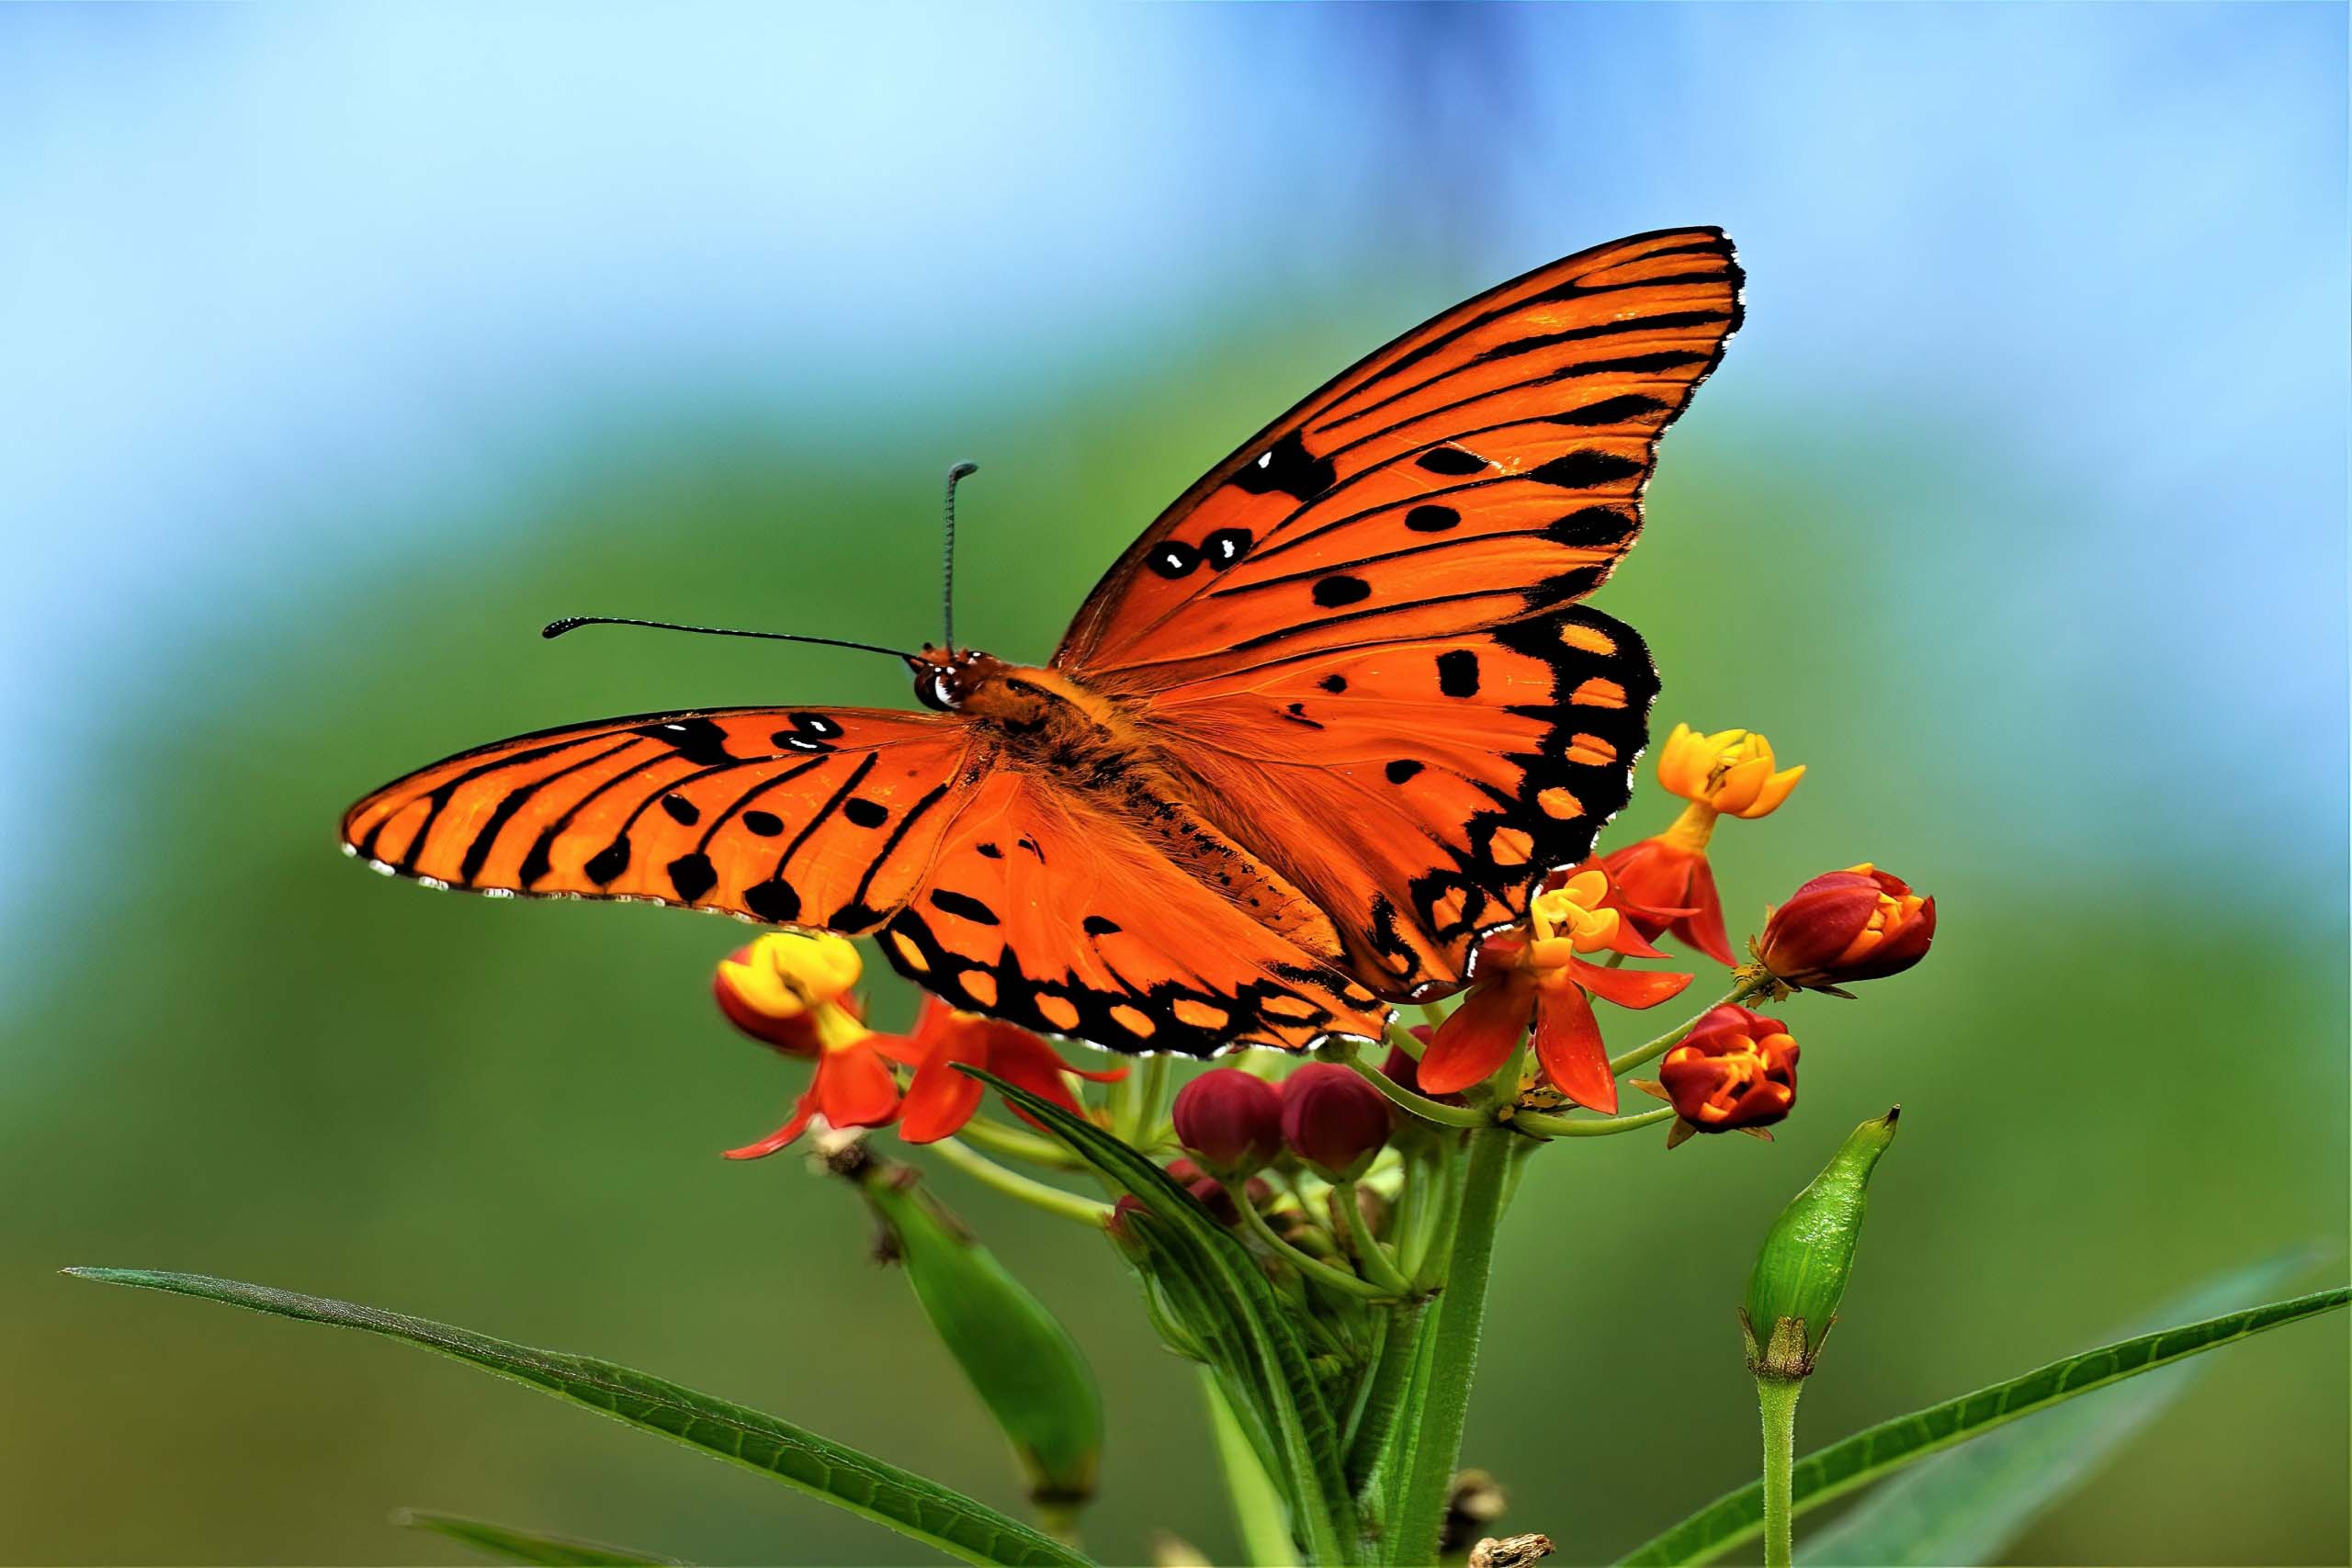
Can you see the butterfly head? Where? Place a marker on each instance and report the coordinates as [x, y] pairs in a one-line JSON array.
[[947, 678]]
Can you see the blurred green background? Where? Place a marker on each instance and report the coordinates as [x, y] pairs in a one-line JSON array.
[[350, 346]]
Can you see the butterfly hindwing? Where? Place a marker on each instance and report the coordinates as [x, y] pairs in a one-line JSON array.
[[1415, 790], [815, 816], [1485, 466], [1044, 909]]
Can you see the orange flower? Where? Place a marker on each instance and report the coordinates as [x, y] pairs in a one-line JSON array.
[[1534, 969], [791, 991], [1736, 1068], [1666, 882], [941, 1100]]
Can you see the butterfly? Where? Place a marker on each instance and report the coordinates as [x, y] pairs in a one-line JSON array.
[[1319, 730]]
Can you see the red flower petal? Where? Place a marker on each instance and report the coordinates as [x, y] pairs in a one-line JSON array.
[[1627, 988], [1569, 1047], [802, 1110], [855, 1087], [1702, 927], [941, 1100], [1478, 1037]]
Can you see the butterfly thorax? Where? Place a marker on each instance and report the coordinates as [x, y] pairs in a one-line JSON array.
[[1048, 723]]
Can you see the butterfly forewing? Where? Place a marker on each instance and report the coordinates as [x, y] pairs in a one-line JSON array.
[[817, 817], [1486, 466]]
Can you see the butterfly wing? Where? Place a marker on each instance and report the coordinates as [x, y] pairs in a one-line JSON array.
[[1485, 466], [1358, 632], [816, 817], [1044, 908], [1415, 789]]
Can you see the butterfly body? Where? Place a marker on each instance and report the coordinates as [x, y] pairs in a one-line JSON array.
[[1320, 729]]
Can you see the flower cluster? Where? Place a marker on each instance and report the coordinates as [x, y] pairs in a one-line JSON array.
[[1235, 1123], [795, 992]]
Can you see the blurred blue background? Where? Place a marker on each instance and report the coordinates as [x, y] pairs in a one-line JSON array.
[[348, 344]]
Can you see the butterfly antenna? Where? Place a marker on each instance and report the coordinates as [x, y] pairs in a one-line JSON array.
[[573, 622], [956, 475]]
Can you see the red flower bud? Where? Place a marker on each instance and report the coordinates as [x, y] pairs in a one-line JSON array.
[[1333, 1120], [1736, 1068], [1218, 1200], [1230, 1121], [1402, 1070], [1850, 925]]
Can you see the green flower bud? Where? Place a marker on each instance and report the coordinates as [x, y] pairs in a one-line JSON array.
[[1019, 1358], [1801, 1273]]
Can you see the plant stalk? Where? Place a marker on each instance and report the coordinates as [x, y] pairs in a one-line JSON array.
[[1461, 1321], [1776, 1402]]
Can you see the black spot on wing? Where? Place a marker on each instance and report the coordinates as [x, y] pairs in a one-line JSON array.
[[1402, 769], [963, 904], [1224, 546], [699, 740], [1097, 926], [1589, 527], [990, 851], [1333, 592], [1286, 466], [1334, 684], [1172, 559], [1619, 410], [1431, 519], [693, 876], [776, 900], [765, 824], [681, 810], [1450, 461], [1457, 672], [1584, 470], [865, 813], [608, 863]]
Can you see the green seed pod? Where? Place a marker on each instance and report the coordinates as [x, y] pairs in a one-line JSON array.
[[1801, 1274], [1021, 1360]]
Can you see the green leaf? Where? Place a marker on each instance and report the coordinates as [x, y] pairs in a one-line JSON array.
[[1253, 1344], [1968, 1504], [900, 1499], [1876, 1452], [530, 1546]]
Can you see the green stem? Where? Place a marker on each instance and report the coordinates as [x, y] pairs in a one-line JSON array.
[[1370, 1256], [1651, 1051], [1385, 1384], [1461, 1321], [1012, 1183], [1588, 1126], [1256, 1505], [1413, 1104], [1776, 1402], [1012, 1142], [1402, 1039], [1312, 1267]]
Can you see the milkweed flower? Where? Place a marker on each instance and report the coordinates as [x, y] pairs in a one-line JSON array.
[[1665, 881], [1535, 969], [1857, 924], [1734, 1069], [790, 990], [941, 1099]]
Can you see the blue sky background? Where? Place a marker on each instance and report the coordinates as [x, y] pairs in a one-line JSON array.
[[346, 344]]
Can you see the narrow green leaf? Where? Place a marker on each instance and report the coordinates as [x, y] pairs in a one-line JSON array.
[[1256, 1505], [1261, 1352], [900, 1499], [530, 1546], [1876, 1452], [1967, 1505]]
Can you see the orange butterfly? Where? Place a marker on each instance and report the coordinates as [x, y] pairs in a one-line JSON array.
[[1319, 728]]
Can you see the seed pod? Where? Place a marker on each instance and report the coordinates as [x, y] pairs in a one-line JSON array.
[[1801, 1273], [1019, 1358]]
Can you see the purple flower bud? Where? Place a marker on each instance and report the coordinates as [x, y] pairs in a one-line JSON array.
[[1333, 1120], [1229, 1121]]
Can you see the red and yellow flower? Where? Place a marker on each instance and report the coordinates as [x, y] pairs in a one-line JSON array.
[[1664, 882], [791, 990], [1535, 970], [1736, 1068]]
